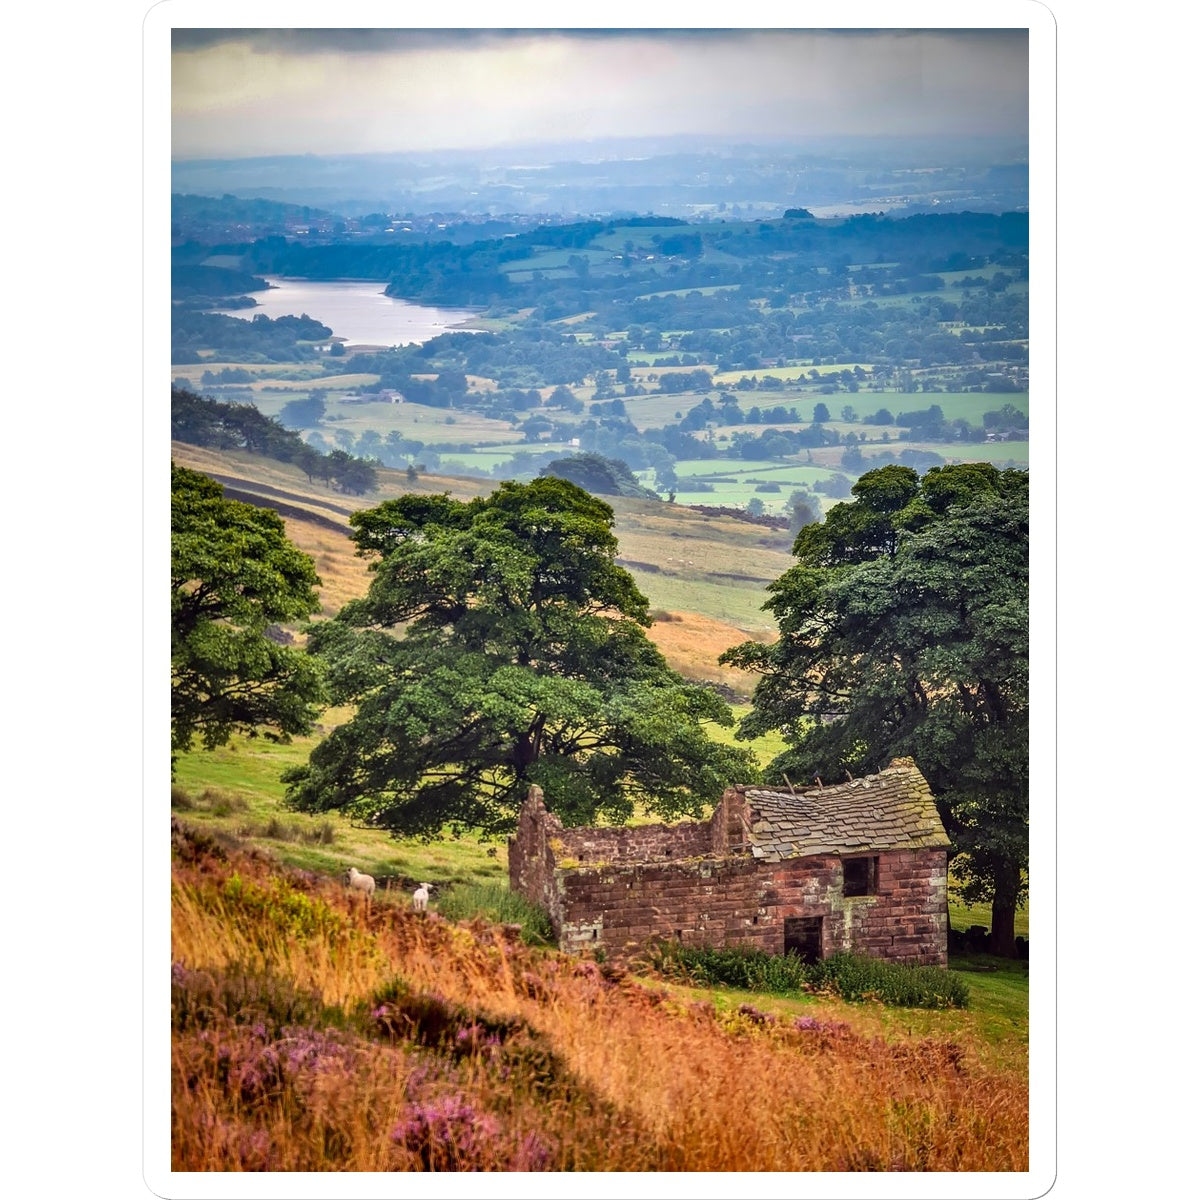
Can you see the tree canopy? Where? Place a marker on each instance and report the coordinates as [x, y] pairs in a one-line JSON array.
[[904, 631], [234, 575], [499, 646], [599, 475]]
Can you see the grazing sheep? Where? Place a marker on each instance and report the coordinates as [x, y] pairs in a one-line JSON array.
[[421, 898], [361, 883]]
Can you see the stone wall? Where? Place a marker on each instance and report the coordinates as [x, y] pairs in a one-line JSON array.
[[531, 857], [698, 901], [724, 901], [635, 843], [698, 883]]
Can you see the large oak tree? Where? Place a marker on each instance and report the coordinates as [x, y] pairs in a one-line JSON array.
[[904, 631], [501, 645], [234, 575]]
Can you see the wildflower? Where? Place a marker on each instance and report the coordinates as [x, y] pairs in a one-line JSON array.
[[757, 1016], [829, 1028], [532, 1155], [449, 1134]]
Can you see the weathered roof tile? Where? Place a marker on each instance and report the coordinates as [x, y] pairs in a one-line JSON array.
[[889, 811]]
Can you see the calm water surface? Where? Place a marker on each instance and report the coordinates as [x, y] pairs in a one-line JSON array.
[[358, 312]]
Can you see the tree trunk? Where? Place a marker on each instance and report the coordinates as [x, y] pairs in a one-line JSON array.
[[1004, 912]]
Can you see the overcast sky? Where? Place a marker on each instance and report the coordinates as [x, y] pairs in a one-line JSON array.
[[247, 92]]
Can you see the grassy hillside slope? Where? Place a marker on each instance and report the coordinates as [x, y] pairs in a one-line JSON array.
[[312, 1031], [715, 568]]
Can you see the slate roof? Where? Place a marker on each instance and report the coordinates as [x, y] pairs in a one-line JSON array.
[[893, 810]]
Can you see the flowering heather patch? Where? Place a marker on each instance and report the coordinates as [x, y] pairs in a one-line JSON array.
[[755, 1016], [270, 1066], [431, 1019], [234, 1143], [381, 1041], [533, 1154], [815, 1025], [204, 997], [450, 1134]]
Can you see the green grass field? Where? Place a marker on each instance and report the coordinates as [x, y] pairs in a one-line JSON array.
[[1001, 454], [236, 790], [735, 482], [703, 291], [736, 603], [554, 263], [789, 373], [417, 421]]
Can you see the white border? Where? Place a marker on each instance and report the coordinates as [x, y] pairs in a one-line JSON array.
[[932, 14]]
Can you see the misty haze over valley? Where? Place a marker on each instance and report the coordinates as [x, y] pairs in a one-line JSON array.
[[688, 177]]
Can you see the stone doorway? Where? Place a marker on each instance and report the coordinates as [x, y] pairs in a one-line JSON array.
[[802, 936]]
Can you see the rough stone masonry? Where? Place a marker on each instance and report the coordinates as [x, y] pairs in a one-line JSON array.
[[859, 866]]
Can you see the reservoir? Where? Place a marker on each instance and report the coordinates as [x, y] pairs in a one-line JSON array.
[[357, 312]]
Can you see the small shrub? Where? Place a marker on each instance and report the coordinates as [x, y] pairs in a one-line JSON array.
[[181, 799], [280, 830], [190, 845], [494, 902], [856, 977], [733, 966], [223, 804], [279, 907], [850, 976]]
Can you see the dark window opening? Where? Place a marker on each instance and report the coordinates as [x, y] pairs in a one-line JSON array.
[[860, 876], [802, 937]]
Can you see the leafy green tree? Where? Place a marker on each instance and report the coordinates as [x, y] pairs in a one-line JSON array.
[[904, 631], [599, 475], [522, 659], [563, 397], [305, 413], [353, 475], [803, 508], [234, 575]]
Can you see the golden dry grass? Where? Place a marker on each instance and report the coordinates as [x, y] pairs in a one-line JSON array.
[[602, 1070], [692, 643]]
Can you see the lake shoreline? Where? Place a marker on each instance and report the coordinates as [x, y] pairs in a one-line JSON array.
[[358, 311]]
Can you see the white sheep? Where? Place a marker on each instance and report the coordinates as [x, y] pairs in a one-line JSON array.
[[421, 898], [361, 883]]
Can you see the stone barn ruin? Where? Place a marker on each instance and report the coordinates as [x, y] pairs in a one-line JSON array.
[[859, 866]]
